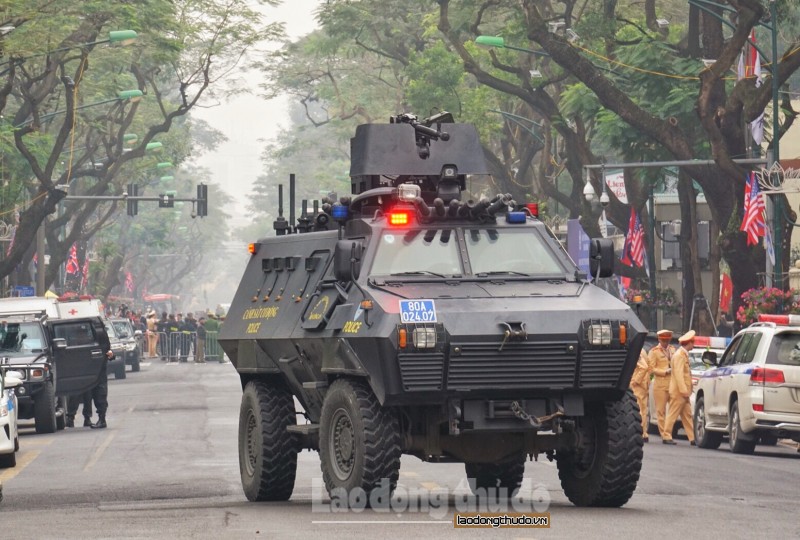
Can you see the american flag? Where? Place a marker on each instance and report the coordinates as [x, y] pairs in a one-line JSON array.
[[753, 223], [634, 240]]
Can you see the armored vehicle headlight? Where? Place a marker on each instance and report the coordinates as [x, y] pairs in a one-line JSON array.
[[408, 192], [21, 390], [600, 334], [424, 338]]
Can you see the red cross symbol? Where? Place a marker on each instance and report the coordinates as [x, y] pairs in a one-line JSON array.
[[73, 311]]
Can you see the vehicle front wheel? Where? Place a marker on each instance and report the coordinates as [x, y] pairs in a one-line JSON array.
[[61, 414], [604, 468], [703, 437], [359, 445], [267, 450], [507, 475], [44, 409], [738, 444]]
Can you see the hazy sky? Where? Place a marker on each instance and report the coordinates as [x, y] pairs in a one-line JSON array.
[[250, 121]]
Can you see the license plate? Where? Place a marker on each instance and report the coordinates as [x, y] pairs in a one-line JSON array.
[[417, 311]]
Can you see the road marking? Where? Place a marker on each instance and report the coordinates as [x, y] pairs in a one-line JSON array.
[[409, 474], [430, 486], [36, 441], [23, 460], [99, 452]]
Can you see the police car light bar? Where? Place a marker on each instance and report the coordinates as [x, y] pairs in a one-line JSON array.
[[516, 217], [784, 320], [711, 342]]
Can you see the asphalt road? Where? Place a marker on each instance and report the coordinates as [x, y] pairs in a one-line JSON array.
[[167, 467]]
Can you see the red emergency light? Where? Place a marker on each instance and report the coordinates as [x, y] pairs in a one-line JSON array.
[[533, 208], [399, 217]]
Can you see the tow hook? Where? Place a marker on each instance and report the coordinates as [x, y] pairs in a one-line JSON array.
[[535, 422]]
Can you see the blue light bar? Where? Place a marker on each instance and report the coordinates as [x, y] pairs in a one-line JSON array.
[[516, 217], [339, 212]]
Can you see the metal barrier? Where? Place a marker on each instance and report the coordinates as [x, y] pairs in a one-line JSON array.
[[179, 346]]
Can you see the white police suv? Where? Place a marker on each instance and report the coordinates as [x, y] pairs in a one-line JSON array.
[[9, 435], [753, 392]]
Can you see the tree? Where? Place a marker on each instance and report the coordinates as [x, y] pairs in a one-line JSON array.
[[189, 46]]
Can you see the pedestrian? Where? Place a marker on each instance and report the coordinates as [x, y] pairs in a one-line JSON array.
[[184, 337], [152, 334], [174, 333], [99, 393], [680, 389], [73, 402], [212, 330], [200, 346], [640, 384], [162, 326], [660, 360]]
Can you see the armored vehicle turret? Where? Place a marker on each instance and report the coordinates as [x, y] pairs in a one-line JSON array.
[[408, 320]]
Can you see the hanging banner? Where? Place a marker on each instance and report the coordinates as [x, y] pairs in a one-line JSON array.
[[616, 184], [578, 245]]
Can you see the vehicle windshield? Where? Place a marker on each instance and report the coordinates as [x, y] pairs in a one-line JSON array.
[[21, 338], [491, 251], [122, 328], [431, 251], [111, 331], [505, 251]]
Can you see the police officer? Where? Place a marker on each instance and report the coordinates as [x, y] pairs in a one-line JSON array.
[[73, 402], [640, 384], [660, 360], [174, 333], [680, 389], [100, 391]]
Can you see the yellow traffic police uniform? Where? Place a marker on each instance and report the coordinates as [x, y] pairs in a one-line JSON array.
[[640, 384], [660, 359], [680, 389]]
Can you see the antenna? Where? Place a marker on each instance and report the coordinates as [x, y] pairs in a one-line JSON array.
[[291, 204], [280, 225]]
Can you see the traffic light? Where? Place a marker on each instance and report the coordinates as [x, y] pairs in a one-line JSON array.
[[133, 204], [166, 200], [202, 200]]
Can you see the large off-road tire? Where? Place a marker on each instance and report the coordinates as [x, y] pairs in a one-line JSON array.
[[736, 439], [604, 468], [484, 478], [703, 437], [359, 446], [44, 409], [267, 451], [8, 460], [61, 413]]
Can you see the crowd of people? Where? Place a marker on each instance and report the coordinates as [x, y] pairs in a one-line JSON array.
[[668, 370]]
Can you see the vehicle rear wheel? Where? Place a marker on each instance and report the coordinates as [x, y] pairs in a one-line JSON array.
[[736, 438], [8, 460], [61, 413], [604, 468], [267, 451], [359, 445], [507, 474], [44, 409], [703, 437]]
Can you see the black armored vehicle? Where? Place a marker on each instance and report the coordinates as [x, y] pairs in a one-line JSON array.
[[407, 320]]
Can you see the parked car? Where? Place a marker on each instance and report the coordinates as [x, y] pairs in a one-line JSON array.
[[9, 432], [697, 366], [753, 392], [117, 364], [132, 341]]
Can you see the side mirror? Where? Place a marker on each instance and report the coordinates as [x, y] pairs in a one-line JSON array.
[[601, 257], [710, 358], [347, 260], [59, 343]]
